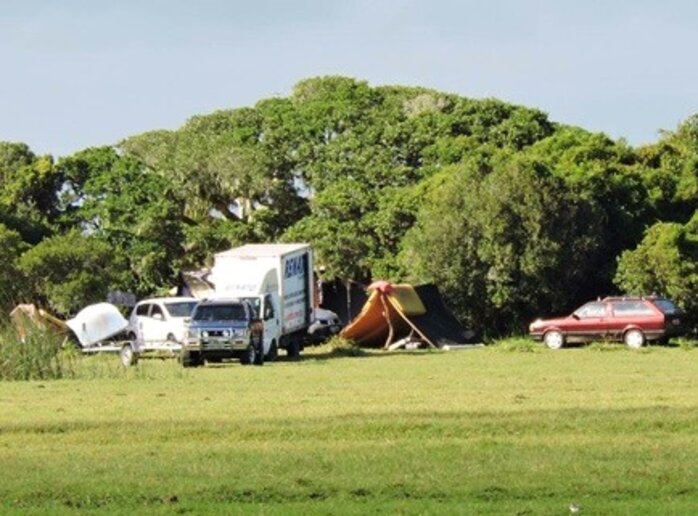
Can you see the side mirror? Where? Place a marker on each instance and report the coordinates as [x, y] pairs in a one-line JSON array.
[[575, 316]]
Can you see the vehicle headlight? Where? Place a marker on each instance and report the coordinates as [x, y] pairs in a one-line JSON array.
[[204, 334], [239, 332], [226, 333]]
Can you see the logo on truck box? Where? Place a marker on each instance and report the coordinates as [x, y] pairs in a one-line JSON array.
[[294, 267]]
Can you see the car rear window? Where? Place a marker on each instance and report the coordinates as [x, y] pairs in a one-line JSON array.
[[630, 308], [233, 312], [666, 306]]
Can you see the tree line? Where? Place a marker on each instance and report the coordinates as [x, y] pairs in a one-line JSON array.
[[511, 214]]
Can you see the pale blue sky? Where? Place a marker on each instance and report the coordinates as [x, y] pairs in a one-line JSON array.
[[78, 73]]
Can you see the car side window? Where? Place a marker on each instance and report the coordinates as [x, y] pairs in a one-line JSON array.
[[591, 310], [631, 308], [143, 309], [156, 313]]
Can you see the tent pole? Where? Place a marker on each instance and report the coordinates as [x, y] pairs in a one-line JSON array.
[[386, 313], [426, 339]]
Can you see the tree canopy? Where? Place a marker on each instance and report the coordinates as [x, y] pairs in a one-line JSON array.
[[511, 214]]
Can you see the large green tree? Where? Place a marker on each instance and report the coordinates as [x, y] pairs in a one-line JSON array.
[[665, 262], [69, 271], [136, 211], [504, 238]]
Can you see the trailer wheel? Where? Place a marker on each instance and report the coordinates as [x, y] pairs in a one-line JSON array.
[[128, 356]]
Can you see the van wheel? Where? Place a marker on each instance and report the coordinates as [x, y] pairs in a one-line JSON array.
[[634, 339], [273, 351], [128, 356], [554, 339]]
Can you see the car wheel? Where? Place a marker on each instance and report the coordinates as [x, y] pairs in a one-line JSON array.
[[273, 351], [554, 339], [634, 339], [128, 356]]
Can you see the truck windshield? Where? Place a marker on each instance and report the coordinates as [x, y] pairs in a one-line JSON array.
[[220, 313], [180, 309]]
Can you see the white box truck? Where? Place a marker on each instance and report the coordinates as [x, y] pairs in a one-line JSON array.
[[277, 279]]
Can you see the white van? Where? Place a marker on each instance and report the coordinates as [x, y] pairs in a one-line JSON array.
[[160, 322]]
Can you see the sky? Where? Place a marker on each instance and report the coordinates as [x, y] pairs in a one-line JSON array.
[[81, 73]]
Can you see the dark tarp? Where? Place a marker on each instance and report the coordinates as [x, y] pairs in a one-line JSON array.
[[439, 324]]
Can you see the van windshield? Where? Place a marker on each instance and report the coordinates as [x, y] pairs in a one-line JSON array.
[[181, 308], [232, 312]]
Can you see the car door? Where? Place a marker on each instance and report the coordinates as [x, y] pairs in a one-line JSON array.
[[141, 321], [157, 324], [270, 319], [591, 321]]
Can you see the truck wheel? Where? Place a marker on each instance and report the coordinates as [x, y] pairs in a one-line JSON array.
[[273, 351], [259, 354], [128, 356], [293, 349], [190, 359]]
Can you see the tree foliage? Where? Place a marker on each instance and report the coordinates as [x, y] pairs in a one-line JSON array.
[[511, 214], [665, 262], [511, 242], [71, 270]]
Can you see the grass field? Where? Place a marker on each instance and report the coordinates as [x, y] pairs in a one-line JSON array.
[[485, 431]]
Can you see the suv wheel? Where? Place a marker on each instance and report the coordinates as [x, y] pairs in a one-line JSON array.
[[634, 339], [554, 339], [249, 356], [259, 354], [189, 359]]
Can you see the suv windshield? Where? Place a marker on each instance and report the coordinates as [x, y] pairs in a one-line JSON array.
[[180, 309], [666, 306], [232, 312]]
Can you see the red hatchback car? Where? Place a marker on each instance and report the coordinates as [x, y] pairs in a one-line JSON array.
[[633, 320]]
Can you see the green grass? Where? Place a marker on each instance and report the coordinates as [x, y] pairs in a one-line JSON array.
[[466, 432]]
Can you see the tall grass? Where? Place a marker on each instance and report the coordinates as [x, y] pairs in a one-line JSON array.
[[39, 356]]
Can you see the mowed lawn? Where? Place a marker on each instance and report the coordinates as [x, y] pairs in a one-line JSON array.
[[481, 431]]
